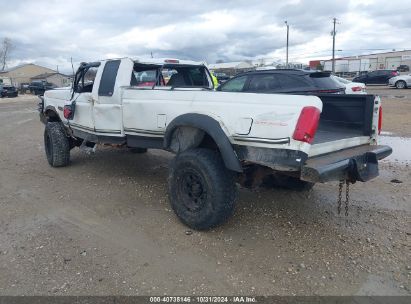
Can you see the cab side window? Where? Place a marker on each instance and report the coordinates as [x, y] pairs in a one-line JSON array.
[[86, 82], [108, 79]]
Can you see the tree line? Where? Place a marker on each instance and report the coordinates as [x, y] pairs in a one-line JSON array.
[[6, 46]]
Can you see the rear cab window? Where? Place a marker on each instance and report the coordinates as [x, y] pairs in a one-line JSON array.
[[170, 75], [144, 78]]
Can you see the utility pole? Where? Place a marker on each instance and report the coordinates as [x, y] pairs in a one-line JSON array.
[[286, 58], [333, 33]]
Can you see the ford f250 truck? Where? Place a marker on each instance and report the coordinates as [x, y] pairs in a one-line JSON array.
[[220, 138]]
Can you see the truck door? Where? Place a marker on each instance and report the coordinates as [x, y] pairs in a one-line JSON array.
[[107, 109], [85, 83]]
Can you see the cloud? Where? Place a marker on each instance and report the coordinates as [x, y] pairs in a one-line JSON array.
[[50, 33]]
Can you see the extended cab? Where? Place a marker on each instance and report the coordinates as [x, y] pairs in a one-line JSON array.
[[219, 138]]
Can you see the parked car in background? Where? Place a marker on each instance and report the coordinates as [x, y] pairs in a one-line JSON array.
[[39, 87], [24, 87], [8, 91], [221, 77], [283, 81], [350, 87], [376, 77], [400, 82], [403, 68]]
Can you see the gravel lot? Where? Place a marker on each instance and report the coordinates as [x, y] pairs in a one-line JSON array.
[[103, 225]]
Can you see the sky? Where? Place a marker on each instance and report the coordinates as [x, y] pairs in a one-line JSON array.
[[51, 32]]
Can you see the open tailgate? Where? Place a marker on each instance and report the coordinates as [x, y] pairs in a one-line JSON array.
[[355, 164]]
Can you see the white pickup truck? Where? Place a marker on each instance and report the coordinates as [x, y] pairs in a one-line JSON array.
[[219, 138]]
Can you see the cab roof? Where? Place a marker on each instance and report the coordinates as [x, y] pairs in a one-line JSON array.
[[163, 61]]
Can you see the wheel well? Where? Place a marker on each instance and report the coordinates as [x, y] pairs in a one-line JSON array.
[[201, 130], [52, 115], [186, 137], [208, 142]]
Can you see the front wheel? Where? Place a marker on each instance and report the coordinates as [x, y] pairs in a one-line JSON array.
[[56, 144], [202, 191], [400, 84]]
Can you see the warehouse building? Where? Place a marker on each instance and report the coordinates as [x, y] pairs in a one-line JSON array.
[[58, 79], [370, 62], [231, 68], [26, 72]]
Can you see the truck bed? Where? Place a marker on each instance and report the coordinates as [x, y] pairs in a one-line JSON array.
[[328, 131], [346, 121]]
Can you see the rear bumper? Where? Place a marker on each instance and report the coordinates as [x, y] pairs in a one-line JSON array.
[[354, 164]]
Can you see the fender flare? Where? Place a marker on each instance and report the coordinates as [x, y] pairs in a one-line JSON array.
[[51, 109], [46, 113], [212, 128]]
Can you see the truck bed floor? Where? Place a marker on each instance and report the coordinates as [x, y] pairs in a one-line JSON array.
[[327, 132]]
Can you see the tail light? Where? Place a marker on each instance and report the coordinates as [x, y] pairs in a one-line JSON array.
[[68, 111], [379, 121], [356, 89], [307, 124]]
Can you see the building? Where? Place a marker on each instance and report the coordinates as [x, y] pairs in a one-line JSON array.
[[370, 62], [5, 80], [232, 68], [24, 73], [58, 79], [314, 64]]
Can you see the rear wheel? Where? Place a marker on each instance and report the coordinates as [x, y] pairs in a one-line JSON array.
[[56, 144], [202, 191], [400, 84]]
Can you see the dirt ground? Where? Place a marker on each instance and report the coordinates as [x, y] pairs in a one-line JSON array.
[[103, 226], [396, 109]]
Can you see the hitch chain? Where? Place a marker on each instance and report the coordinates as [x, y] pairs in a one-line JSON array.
[[347, 196]]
